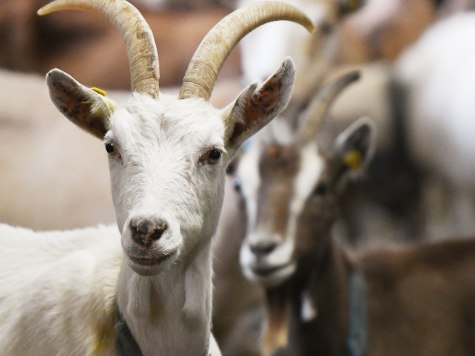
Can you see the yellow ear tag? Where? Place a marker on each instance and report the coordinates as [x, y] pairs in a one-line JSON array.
[[353, 159], [99, 91], [98, 109]]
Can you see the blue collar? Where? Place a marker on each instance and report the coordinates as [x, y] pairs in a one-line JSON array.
[[358, 325]]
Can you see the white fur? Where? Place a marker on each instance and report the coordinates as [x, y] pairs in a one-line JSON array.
[[308, 310], [248, 167], [58, 298], [311, 168]]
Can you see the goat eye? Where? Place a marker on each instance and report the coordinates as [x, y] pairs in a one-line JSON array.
[[212, 156], [322, 189], [112, 151], [110, 148]]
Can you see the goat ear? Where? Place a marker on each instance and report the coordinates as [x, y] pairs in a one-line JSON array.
[[258, 105], [87, 108], [354, 148], [347, 7]]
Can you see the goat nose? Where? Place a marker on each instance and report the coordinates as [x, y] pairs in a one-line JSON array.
[[262, 248], [145, 231]]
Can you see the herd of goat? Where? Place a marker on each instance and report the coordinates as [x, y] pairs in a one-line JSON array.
[[326, 209]]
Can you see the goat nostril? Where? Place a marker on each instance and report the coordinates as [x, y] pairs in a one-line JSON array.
[[145, 232], [142, 227], [158, 232], [263, 248]]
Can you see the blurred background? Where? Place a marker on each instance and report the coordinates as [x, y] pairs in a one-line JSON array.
[[417, 61]]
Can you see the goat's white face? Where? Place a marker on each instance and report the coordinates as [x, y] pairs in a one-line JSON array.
[[167, 160], [168, 155], [290, 191]]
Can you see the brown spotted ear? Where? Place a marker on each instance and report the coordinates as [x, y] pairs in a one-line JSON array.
[[87, 108], [257, 106]]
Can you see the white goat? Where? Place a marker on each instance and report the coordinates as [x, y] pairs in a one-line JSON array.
[[167, 159], [438, 77]]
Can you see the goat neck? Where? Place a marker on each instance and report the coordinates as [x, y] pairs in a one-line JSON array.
[[304, 308], [170, 307], [320, 306]]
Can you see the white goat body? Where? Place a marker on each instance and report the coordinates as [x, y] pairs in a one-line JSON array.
[[438, 78], [58, 291]]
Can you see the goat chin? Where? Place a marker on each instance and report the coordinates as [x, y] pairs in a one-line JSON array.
[[271, 277]]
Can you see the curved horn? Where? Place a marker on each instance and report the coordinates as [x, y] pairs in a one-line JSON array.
[[135, 32], [214, 48], [319, 106]]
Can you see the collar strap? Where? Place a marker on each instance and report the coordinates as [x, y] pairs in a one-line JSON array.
[[126, 344], [358, 327]]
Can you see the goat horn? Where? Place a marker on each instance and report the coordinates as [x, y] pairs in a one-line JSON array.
[[208, 59], [319, 106], [135, 32]]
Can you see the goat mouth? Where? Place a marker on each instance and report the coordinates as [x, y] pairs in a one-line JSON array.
[[264, 271], [271, 275], [150, 261]]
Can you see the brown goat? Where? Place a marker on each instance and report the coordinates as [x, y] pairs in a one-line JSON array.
[[411, 300]]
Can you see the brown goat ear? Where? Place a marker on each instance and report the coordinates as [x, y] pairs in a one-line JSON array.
[[354, 149], [347, 7], [257, 106], [83, 106]]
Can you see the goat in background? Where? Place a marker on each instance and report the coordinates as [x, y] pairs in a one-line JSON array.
[[411, 300], [370, 37], [436, 77]]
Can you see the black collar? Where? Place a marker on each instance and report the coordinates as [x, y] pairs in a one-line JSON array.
[[126, 344]]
